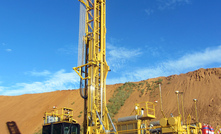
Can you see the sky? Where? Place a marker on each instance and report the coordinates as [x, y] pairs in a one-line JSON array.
[[145, 39]]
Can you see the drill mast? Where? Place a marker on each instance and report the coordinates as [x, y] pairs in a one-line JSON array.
[[94, 71]]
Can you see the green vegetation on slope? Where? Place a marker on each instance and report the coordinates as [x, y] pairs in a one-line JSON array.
[[39, 131], [149, 87], [121, 94]]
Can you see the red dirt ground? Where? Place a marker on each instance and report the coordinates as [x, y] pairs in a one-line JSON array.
[[203, 84]]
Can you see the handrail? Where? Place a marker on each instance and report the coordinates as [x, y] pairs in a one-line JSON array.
[[147, 107], [63, 114]]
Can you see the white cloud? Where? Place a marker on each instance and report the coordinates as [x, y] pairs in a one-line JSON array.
[[35, 73], [1, 88], [61, 80], [145, 73], [121, 79], [57, 81], [188, 62], [149, 11], [138, 74], [117, 56], [154, 51], [5, 49], [197, 59], [8, 50], [171, 4]]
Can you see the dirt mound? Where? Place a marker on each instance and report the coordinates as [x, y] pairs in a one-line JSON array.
[[203, 84]]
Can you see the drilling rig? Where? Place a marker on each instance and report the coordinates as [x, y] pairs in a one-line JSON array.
[[93, 69], [92, 66]]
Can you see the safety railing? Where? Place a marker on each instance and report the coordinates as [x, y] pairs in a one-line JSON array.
[[60, 114], [148, 109]]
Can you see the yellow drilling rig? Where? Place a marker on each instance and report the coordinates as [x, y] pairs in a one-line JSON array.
[[92, 66], [92, 69]]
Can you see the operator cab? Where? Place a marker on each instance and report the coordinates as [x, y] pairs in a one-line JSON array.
[[60, 121], [61, 128]]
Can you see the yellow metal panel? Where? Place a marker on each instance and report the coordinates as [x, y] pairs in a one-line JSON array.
[[168, 130], [129, 127]]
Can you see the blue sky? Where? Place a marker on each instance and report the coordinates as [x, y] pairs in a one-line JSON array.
[[145, 39]]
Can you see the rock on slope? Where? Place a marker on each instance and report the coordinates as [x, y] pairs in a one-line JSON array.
[[203, 84]]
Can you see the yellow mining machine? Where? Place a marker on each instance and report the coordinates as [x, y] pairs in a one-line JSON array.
[[177, 124], [92, 66], [60, 121], [92, 69], [141, 122], [138, 123]]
